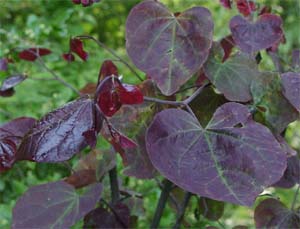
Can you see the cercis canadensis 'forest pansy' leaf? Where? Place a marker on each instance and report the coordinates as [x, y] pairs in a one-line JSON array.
[[233, 77], [68, 57], [267, 93], [11, 134], [76, 46], [169, 48], [32, 54], [54, 205], [111, 94], [59, 134], [12, 81], [108, 68], [245, 7], [271, 213], [227, 44], [226, 3], [252, 37], [233, 159], [291, 88]]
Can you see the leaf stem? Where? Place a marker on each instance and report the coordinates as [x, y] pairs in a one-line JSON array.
[[295, 198], [161, 203], [114, 185], [174, 103], [181, 212], [112, 52]]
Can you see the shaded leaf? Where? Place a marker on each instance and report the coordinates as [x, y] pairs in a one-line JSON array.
[[210, 209], [235, 157], [7, 93], [117, 217], [227, 44], [276, 111], [170, 48], [53, 205], [233, 77], [32, 54], [296, 58], [291, 175], [89, 89], [58, 135], [291, 88], [252, 37], [271, 213]]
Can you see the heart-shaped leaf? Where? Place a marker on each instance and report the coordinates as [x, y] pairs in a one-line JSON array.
[[233, 77], [252, 37], [53, 205], [291, 88], [271, 213], [232, 159], [59, 134], [170, 48]]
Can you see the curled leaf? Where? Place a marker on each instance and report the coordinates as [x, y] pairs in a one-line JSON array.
[[76, 46], [32, 54]]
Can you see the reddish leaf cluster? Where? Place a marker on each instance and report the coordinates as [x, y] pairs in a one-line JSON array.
[[245, 7], [32, 54], [76, 46]]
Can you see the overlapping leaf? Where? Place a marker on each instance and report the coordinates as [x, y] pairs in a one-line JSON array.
[[276, 110], [59, 134], [252, 37], [170, 48], [291, 88], [232, 159], [233, 77], [271, 213], [53, 205]]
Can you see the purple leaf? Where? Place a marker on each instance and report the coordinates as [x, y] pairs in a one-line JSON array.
[[233, 77], [291, 88], [169, 48], [53, 205], [271, 213], [233, 159], [59, 134], [252, 37], [12, 81], [11, 135], [119, 217], [296, 58], [291, 175], [226, 3], [3, 64], [267, 93]]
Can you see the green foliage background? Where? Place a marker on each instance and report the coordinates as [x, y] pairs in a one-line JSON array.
[[50, 24]]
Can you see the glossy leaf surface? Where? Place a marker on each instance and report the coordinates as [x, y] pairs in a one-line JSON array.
[[252, 37], [53, 205], [235, 157], [170, 48], [233, 77], [108, 68], [271, 213], [58, 135], [291, 88]]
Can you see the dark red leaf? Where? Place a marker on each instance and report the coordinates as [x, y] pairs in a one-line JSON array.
[[265, 10], [68, 57], [76, 46], [12, 81], [3, 64], [54, 205], [226, 3], [118, 217], [108, 68], [58, 135], [252, 37], [7, 93], [11, 135], [32, 54], [130, 94], [76, 1], [245, 7], [82, 178], [271, 213], [227, 44], [89, 89]]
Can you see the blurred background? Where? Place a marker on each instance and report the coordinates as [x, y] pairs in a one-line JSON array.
[[50, 24]]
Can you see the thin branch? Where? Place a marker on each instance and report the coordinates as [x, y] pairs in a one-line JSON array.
[[112, 52], [181, 212], [114, 185], [295, 198], [161, 203], [174, 103], [195, 94]]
